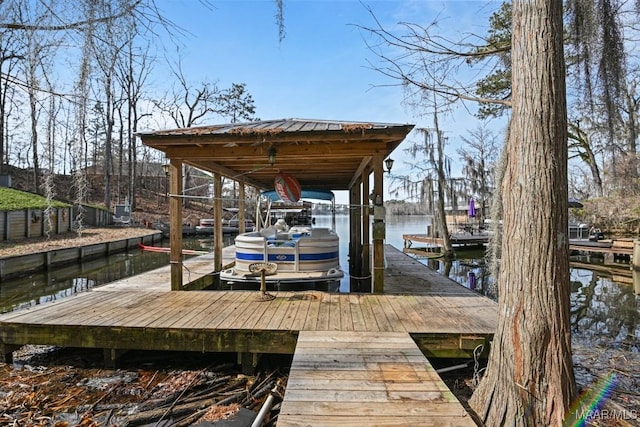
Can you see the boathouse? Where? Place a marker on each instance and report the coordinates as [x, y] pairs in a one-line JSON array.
[[358, 358], [320, 154]]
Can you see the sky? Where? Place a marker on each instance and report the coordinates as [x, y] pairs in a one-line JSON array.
[[322, 69]]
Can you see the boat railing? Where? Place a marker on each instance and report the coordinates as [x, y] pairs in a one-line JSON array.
[[289, 250]]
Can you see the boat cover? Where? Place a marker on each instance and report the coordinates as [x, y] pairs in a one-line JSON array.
[[306, 194]]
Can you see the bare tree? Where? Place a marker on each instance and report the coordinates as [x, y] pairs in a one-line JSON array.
[[582, 145], [189, 104], [37, 49], [132, 73], [434, 144], [108, 47], [11, 53], [479, 155]]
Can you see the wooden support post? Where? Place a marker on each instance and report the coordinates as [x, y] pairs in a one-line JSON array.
[[217, 228], [175, 219], [112, 357], [355, 265], [249, 362], [366, 225], [378, 225], [6, 352], [635, 266], [241, 208]]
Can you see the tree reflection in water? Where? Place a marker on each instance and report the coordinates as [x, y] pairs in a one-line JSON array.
[[604, 313]]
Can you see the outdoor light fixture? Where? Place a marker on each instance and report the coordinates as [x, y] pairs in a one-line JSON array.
[[165, 169], [272, 155], [389, 164]]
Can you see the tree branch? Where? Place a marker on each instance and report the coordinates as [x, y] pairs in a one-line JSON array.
[[72, 25]]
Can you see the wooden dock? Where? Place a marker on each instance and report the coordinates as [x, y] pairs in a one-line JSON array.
[[421, 314], [364, 378], [457, 240], [615, 248]]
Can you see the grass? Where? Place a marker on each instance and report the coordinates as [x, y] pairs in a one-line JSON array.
[[11, 200]]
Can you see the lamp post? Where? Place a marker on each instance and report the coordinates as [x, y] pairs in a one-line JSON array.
[[389, 164], [272, 155]]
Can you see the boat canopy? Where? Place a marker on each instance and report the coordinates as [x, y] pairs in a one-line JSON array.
[[305, 194]]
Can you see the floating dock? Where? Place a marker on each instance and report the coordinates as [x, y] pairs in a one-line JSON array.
[[435, 243]]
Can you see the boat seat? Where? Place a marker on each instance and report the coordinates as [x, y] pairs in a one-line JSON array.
[[319, 232], [268, 232]]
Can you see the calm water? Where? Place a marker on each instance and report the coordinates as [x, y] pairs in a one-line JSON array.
[[604, 312], [41, 287]]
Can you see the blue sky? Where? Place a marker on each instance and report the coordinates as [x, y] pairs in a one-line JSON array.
[[321, 69]]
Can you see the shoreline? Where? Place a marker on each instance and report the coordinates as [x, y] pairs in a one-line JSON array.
[[89, 235]]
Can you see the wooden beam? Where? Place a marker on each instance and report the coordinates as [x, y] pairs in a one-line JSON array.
[[175, 220], [224, 171], [300, 138], [357, 176], [302, 151]]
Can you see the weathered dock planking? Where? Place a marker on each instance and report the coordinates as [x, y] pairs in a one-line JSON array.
[[445, 318], [365, 378], [368, 349]]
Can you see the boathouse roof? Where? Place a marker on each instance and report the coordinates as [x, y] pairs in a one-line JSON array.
[[321, 154]]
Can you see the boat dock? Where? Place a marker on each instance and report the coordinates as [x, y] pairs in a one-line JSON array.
[[610, 248], [620, 248], [435, 243], [378, 342]]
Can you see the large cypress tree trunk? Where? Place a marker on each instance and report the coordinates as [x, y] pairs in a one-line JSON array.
[[529, 378]]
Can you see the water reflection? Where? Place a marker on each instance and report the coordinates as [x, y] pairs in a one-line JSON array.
[[603, 312], [63, 282], [70, 280]]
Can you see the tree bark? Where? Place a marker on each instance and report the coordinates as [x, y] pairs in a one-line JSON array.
[[529, 379]]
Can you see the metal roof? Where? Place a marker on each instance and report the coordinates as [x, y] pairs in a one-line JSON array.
[[321, 154]]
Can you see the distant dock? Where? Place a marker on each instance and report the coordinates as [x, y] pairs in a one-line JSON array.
[[621, 248], [611, 248], [434, 244]]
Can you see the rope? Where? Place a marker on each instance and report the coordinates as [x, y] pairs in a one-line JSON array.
[[477, 371]]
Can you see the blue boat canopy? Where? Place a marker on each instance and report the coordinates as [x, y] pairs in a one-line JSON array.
[[305, 194]]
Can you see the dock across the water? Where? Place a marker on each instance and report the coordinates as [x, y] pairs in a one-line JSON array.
[[370, 347], [434, 244], [610, 248]]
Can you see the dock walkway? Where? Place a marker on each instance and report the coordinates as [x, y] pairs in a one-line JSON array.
[[383, 379]]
